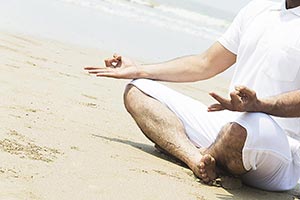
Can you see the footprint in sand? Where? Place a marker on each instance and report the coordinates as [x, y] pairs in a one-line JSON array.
[[20, 145]]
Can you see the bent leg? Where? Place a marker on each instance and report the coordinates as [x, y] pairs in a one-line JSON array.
[[255, 147], [201, 127], [173, 114], [226, 151], [268, 154], [229, 147], [161, 126]]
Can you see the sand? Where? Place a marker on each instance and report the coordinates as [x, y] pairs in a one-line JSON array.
[[65, 134]]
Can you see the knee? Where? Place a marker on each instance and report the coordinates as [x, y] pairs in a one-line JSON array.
[[130, 97], [235, 131]]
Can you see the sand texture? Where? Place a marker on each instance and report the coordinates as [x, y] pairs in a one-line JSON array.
[[65, 134]]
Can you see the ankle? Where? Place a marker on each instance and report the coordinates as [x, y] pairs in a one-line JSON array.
[[194, 161], [218, 156]]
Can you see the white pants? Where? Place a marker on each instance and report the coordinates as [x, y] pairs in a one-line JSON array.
[[272, 158]]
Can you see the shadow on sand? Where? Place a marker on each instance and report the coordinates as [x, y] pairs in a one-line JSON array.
[[245, 192], [150, 149]]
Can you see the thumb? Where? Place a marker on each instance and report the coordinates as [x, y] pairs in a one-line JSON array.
[[215, 107]]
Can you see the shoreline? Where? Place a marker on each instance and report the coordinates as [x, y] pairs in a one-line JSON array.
[[92, 28], [66, 135]]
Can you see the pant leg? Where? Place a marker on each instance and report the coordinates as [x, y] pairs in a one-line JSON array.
[[269, 154], [201, 127], [272, 158]]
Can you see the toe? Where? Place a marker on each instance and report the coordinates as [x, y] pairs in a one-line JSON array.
[[204, 176]]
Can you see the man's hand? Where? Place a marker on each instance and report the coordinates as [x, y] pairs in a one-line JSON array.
[[242, 99], [116, 67]]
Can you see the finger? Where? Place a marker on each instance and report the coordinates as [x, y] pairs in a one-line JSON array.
[[115, 62], [94, 72], [101, 70], [108, 62], [242, 95], [215, 107], [105, 69], [93, 68], [111, 62], [235, 98], [118, 59], [119, 63], [117, 56], [225, 102], [245, 93], [109, 74], [245, 90]]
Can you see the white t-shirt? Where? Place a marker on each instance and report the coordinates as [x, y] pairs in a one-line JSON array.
[[265, 36]]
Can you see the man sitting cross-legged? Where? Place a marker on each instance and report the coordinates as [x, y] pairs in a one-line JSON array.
[[255, 133]]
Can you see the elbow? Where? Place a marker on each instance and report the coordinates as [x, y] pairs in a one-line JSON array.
[[205, 70]]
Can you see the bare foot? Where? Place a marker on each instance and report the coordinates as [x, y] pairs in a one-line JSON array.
[[207, 168]]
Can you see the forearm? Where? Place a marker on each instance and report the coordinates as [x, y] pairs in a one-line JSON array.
[[184, 69], [284, 105], [191, 68]]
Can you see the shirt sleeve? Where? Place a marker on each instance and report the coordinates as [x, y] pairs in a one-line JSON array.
[[231, 38]]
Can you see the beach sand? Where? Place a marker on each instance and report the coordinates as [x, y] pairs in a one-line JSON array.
[[65, 134]]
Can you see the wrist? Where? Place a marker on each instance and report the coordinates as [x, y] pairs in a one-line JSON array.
[[263, 105], [143, 71], [259, 105]]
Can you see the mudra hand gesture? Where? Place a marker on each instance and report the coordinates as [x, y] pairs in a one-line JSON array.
[[116, 67], [242, 99]]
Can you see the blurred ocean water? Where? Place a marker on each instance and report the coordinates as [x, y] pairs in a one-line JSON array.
[[182, 16], [152, 30]]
